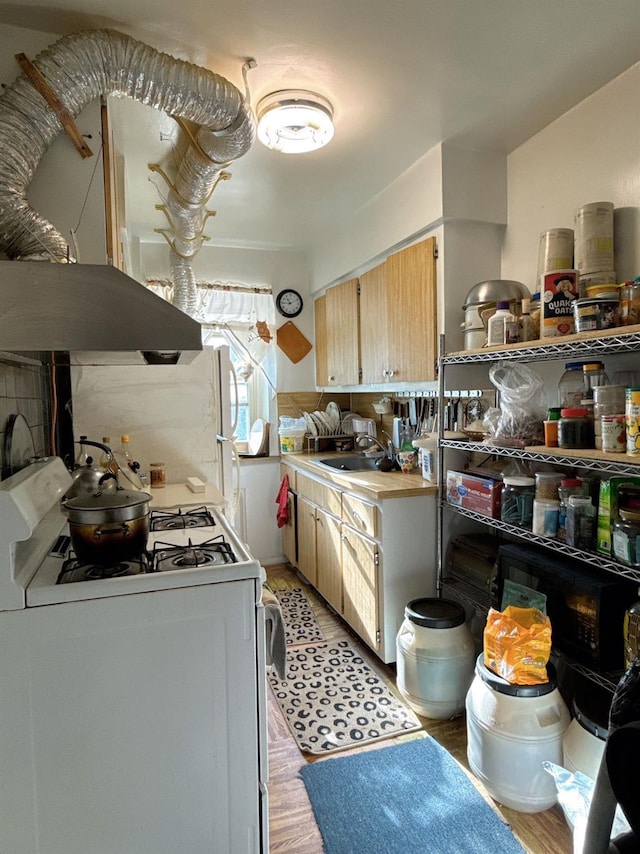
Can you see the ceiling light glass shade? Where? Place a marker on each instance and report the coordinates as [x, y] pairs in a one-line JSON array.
[[294, 121]]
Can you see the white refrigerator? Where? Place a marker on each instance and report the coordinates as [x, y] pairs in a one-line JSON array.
[[180, 415]]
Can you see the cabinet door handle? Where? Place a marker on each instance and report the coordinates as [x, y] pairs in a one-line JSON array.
[[331, 379]]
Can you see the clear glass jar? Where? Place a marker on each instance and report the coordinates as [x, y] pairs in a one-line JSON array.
[[157, 475], [575, 429], [630, 303], [593, 375], [580, 523], [517, 501], [625, 540], [568, 486], [545, 517]]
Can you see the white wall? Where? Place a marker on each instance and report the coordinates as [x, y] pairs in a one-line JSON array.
[[66, 189], [590, 154], [275, 268]]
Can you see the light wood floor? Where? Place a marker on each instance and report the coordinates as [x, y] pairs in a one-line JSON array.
[[292, 826]]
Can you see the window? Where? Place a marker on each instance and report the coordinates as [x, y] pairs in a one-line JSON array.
[[243, 317]]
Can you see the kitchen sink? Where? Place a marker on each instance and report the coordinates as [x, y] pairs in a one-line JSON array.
[[352, 463]]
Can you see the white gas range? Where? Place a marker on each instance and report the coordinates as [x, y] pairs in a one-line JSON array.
[[134, 710]]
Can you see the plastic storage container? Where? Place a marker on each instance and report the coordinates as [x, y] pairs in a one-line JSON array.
[[435, 657], [511, 730], [571, 385], [584, 740], [518, 494], [291, 434]]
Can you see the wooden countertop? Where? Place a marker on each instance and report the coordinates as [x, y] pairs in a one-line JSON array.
[[179, 495], [377, 485]]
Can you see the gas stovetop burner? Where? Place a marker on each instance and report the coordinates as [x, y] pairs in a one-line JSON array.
[[216, 551], [170, 520], [74, 569]]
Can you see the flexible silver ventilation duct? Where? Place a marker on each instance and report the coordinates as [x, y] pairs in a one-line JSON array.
[[84, 66]]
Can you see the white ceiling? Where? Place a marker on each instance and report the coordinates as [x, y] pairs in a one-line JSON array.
[[402, 75]]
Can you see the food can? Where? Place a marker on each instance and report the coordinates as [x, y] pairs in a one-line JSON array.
[[613, 433], [593, 226], [555, 251], [632, 417], [595, 313]]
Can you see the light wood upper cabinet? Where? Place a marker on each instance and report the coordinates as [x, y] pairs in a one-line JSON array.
[[398, 309], [412, 312], [320, 318], [342, 334], [374, 325]]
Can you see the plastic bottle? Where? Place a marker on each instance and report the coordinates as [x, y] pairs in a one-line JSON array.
[[631, 629], [126, 452], [106, 461], [83, 454], [499, 325], [526, 323]]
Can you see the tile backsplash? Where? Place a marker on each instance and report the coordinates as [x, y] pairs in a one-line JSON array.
[[24, 390]]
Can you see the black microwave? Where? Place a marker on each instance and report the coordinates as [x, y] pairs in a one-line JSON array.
[[585, 606]]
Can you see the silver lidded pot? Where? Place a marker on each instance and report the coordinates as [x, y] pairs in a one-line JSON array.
[[484, 296]]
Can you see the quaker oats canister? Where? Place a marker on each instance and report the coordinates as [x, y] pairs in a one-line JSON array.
[[632, 417]]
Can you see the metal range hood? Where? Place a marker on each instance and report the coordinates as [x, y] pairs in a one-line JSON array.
[[89, 314]]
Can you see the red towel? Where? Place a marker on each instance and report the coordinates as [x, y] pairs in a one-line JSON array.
[[282, 514]]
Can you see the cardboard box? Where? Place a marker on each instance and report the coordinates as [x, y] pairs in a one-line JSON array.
[[608, 509], [558, 290], [473, 492]]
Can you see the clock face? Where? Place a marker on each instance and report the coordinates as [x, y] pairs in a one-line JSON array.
[[289, 303]]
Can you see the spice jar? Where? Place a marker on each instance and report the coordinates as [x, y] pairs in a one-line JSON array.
[[575, 428], [517, 501], [580, 523], [547, 483], [568, 486], [625, 540], [551, 427], [545, 517], [157, 475]]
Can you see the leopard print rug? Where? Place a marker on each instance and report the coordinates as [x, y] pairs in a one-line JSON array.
[[332, 699], [300, 623]]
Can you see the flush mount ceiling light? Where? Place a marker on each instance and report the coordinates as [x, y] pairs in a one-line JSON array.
[[294, 121]]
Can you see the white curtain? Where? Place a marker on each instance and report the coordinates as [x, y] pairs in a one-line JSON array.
[[243, 316]]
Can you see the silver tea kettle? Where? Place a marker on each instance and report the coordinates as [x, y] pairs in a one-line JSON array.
[[89, 475], [86, 481]]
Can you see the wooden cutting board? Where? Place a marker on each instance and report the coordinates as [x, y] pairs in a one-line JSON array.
[[292, 342]]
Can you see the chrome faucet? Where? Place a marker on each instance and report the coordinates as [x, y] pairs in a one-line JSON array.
[[389, 451]]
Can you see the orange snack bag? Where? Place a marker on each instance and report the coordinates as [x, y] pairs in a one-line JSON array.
[[517, 644]]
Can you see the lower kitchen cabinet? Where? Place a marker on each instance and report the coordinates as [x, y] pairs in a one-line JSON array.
[[306, 522], [360, 590], [367, 558], [328, 558]]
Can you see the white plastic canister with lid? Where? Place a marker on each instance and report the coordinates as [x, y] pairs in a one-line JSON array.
[[511, 730], [435, 657]]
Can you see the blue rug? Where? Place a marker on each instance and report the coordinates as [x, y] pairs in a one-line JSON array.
[[407, 797]]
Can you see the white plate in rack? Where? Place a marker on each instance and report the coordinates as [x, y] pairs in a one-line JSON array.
[[334, 415]]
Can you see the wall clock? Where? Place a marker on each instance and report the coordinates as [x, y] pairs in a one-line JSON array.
[[289, 303]]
